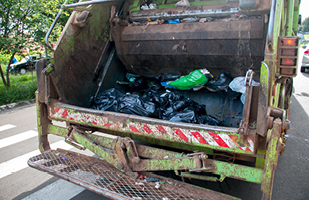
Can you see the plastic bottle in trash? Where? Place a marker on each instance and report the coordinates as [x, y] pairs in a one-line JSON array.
[[173, 21], [194, 79]]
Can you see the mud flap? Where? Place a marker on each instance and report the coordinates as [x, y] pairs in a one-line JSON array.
[[99, 176]]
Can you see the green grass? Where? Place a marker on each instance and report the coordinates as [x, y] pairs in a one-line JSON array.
[[22, 87]]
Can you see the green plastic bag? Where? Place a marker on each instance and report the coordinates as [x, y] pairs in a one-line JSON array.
[[194, 79]]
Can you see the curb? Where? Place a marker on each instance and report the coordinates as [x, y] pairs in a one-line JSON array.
[[12, 106]]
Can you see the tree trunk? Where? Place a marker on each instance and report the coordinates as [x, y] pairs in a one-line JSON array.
[[7, 71], [2, 76]]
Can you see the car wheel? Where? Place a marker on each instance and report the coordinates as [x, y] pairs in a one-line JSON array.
[[23, 71]]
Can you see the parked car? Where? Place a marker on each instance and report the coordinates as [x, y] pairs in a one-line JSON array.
[[26, 64], [305, 61]]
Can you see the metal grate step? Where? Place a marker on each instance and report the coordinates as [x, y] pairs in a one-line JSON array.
[[99, 176]]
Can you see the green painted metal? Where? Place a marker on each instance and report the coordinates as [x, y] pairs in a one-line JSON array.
[[295, 17], [43, 123], [264, 80], [87, 143], [240, 172], [57, 130], [260, 162], [277, 25], [39, 121], [165, 164], [290, 17], [173, 162], [103, 141], [200, 177], [158, 153], [271, 160]]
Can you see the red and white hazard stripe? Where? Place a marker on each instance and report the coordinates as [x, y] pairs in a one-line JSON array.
[[203, 137]]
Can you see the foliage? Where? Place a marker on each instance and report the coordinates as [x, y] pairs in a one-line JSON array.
[[5, 58], [43, 17], [305, 25], [23, 25], [25, 21], [22, 88]]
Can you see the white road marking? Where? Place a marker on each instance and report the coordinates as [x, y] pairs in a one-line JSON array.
[[60, 190], [19, 163], [6, 127], [17, 138]]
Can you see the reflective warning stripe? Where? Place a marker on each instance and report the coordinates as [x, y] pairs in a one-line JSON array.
[[194, 136]]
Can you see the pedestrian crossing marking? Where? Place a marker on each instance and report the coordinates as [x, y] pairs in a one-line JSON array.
[[17, 138], [19, 163], [6, 127]]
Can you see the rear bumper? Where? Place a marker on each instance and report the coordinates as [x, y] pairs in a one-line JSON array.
[[186, 136]]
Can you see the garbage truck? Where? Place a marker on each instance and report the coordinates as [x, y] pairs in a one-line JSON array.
[[109, 81]]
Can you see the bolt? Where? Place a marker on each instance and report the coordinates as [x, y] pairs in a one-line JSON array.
[[203, 156], [286, 125], [120, 166]]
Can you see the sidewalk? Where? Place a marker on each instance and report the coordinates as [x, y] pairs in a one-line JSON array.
[[11, 106]]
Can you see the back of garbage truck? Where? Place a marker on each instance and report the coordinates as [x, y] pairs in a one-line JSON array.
[[111, 80]]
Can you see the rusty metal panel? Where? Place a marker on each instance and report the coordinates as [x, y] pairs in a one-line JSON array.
[[240, 29], [180, 48], [78, 53]]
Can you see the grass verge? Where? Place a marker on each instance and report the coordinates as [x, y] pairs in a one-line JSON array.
[[22, 87]]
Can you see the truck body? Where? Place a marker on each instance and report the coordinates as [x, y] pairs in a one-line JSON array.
[[103, 42]]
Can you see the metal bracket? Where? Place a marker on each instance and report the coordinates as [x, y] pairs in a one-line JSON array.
[[274, 113], [201, 164], [129, 144], [70, 140], [47, 70], [243, 128], [126, 144]]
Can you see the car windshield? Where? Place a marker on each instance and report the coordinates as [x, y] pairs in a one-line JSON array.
[[25, 59]]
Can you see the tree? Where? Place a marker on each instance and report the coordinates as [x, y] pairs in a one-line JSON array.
[[13, 35], [24, 23], [305, 25]]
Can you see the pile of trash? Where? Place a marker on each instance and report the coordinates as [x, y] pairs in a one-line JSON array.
[[152, 103], [157, 97], [153, 6]]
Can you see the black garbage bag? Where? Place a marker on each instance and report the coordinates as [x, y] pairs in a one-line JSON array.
[[107, 100], [209, 120], [170, 102], [169, 77], [132, 104], [183, 116], [199, 109], [152, 95], [138, 85], [173, 102], [180, 104], [135, 83], [221, 84]]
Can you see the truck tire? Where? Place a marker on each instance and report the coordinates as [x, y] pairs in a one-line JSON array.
[[22, 70]]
